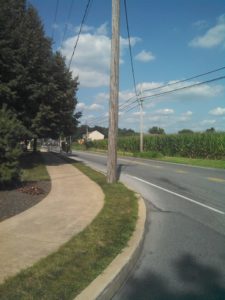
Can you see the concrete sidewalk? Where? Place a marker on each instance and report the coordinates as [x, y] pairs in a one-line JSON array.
[[73, 202]]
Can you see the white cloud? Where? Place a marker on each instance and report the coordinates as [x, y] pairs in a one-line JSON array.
[[213, 37], [92, 107], [165, 111], [125, 95], [125, 42], [102, 97], [91, 60], [155, 118], [201, 24], [95, 106], [208, 122], [218, 111], [138, 113], [132, 121], [80, 106], [145, 56], [85, 28], [188, 113], [186, 116], [103, 29]]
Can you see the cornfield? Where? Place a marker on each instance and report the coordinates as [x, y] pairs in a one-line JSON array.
[[196, 145]]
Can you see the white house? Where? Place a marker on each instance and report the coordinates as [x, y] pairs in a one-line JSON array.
[[95, 135]]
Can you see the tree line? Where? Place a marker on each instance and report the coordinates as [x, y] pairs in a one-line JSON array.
[[37, 90], [81, 130]]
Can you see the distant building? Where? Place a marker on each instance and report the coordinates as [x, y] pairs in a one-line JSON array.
[[94, 136]]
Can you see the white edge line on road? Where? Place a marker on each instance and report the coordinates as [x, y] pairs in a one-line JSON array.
[[179, 195]]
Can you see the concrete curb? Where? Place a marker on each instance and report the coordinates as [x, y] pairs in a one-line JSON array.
[[112, 278]]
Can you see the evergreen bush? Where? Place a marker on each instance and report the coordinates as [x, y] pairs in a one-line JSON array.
[[11, 133]]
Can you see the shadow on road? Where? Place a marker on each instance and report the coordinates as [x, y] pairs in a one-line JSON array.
[[120, 168], [200, 282]]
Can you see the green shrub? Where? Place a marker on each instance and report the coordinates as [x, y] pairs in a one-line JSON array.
[[11, 131]]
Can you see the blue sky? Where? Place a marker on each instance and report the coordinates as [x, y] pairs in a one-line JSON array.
[[171, 40]]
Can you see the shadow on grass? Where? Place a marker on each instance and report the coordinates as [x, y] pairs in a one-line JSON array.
[[29, 160], [198, 281], [57, 159]]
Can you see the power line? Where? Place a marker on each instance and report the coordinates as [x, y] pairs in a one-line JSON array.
[[81, 26], [55, 16], [184, 80], [185, 87], [174, 90], [124, 105], [67, 20], [134, 104], [130, 51]]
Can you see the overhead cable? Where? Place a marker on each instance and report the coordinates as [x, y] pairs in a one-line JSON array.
[[174, 90], [55, 17], [67, 20], [80, 29], [184, 80], [130, 51]]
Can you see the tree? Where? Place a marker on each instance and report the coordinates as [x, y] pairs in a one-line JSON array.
[[24, 71], [185, 131], [126, 132], [11, 133], [210, 130], [11, 15], [56, 115], [156, 130], [34, 82]]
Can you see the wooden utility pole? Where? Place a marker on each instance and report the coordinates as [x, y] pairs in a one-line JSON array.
[[141, 119], [141, 125], [114, 91]]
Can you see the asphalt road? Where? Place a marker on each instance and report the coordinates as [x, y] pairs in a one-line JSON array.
[[183, 255]]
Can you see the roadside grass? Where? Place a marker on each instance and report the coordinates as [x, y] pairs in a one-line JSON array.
[[65, 273], [33, 167], [153, 155], [210, 163]]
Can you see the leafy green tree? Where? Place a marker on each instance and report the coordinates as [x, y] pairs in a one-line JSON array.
[[210, 130], [186, 131], [11, 15], [156, 130], [35, 83], [11, 133], [24, 68], [56, 114], [126, 132]]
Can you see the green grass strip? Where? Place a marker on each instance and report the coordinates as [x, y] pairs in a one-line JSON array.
[[153, 155], [64, 274], [208, 163], [33, 167]]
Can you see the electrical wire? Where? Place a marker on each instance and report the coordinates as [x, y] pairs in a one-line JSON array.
[[172, 91], [67, 20], [185, 87], [128, 106], [55, 16], [173, 83], [130, 51], [134, 104], [184, 80], [81, 26]]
